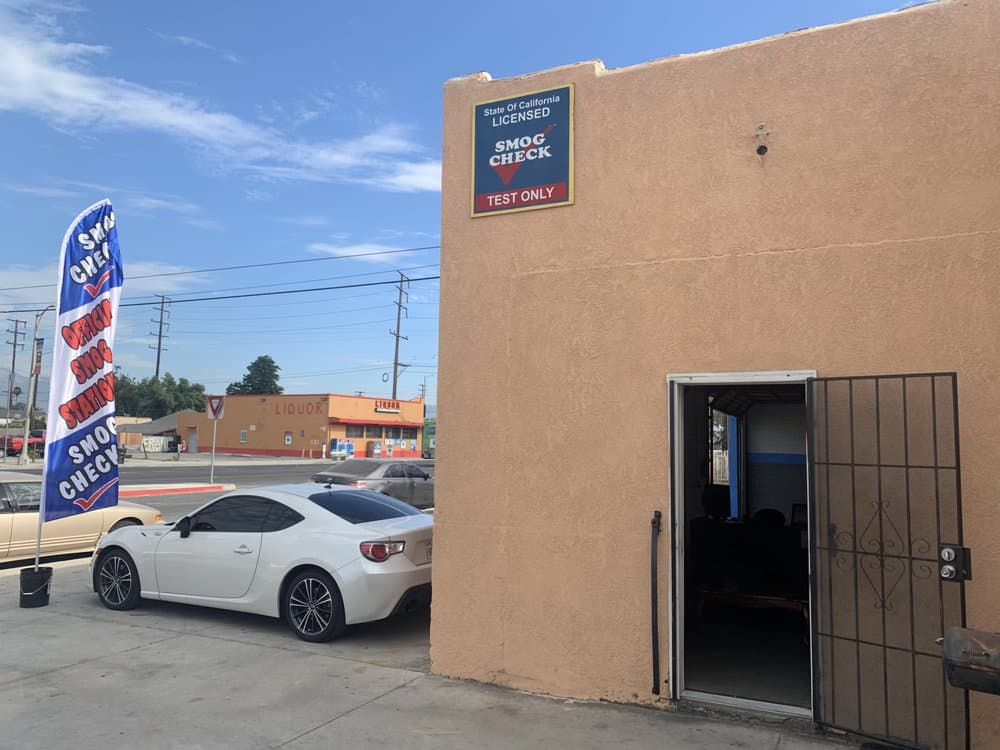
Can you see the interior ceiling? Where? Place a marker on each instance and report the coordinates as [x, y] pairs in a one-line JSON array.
[[737, 399]]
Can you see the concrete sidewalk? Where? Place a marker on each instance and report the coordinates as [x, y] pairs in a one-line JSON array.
[[75, 676]]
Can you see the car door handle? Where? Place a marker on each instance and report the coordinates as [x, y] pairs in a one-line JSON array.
[[242, 550]]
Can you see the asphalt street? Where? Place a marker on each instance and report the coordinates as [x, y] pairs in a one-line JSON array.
[[243, 475]]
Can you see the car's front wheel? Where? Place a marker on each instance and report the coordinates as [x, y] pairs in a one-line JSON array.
[[313, 606], [117, 580]]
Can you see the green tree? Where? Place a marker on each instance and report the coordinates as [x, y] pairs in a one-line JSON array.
[[261, 378], [126, 394], [155, 398]]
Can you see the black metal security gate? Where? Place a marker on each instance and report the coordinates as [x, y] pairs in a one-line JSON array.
[[885, 498]]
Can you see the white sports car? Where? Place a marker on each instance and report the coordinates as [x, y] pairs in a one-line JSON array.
[[320, 557]]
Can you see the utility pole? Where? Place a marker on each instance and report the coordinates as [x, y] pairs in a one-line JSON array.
[[36, 371], [159, 336], [423, 395], [396, 364], [10, 381]]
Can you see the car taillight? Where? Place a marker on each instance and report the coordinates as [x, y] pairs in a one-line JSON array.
[[158, 518], [381, 551], [359, 483]]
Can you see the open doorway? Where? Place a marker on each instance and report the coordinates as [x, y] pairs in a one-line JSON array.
[[740, 508]]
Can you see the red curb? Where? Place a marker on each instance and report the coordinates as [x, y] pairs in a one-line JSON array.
[[169, 490]]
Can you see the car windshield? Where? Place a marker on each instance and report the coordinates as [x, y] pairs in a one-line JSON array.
[[355, 468], [362, 507]]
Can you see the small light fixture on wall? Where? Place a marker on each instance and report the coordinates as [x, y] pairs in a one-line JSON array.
[[760, 136]]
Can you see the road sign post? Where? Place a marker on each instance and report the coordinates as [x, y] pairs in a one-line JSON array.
[[216, 405]]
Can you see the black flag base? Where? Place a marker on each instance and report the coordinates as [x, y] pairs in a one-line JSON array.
[[36, 584]]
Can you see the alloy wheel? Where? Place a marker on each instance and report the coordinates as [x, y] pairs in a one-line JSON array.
[[115, 580], [310, 606]]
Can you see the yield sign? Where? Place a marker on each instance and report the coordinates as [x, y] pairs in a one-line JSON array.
[[216, 405]]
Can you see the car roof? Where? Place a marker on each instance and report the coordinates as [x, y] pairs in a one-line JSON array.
[[299, 489], [18, 476], [299, 497]]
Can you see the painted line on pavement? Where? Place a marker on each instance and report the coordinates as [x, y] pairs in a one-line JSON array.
[[172, 489]]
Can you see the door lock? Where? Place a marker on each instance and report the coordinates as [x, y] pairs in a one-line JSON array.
[[956, 562]]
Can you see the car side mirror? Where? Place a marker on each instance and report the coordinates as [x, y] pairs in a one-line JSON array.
[[426, 476], [184, 526]]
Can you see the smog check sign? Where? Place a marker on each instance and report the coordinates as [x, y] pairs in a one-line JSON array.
[[522, 152]]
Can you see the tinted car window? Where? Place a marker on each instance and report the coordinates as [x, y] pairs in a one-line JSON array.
[[414, 472], [394, 472], [354, 468], [233, 514], [362, 506], [280, 517]]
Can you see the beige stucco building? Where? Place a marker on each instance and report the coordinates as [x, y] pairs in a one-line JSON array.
[[820, 204]]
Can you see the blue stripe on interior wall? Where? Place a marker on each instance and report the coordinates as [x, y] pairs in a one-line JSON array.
[[776, 458], [733, 446]]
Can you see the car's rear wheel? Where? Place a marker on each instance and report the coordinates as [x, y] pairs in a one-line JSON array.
[[117, 580], [313, 606]]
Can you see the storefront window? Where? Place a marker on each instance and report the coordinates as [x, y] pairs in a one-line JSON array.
[[355, 430], [392, 433], [373, 430], [409, 433]]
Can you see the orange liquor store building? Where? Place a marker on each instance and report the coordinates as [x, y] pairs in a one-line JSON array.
[[308, 425]]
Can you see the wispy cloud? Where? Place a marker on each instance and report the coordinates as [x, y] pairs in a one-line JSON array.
[[25, 286], [44, 74], [39, 191], [368, 252], [136, 203], [253, 194], [395, 234], [152, 205], [202, 223], [190, 41], [309, 222]]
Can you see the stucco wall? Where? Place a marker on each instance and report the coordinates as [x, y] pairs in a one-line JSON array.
[[865, 241], [306, 416]]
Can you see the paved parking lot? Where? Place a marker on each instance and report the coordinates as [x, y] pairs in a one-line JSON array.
[[74, 675]]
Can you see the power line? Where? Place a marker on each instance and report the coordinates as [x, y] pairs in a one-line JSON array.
[[178, 295], [244, 318], [259, 294], [252, 265], [300, 303], [243, 332]]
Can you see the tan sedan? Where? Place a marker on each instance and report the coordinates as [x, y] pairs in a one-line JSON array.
[[20, 496]]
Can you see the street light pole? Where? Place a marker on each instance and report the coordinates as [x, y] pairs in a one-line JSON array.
[[32, 381]]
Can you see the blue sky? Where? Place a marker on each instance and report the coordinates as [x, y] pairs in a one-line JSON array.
[[237, 134]]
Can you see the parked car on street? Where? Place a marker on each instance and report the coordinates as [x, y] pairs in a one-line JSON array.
[[404, 480], [20, 498], [321, 558], [14, 444]]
